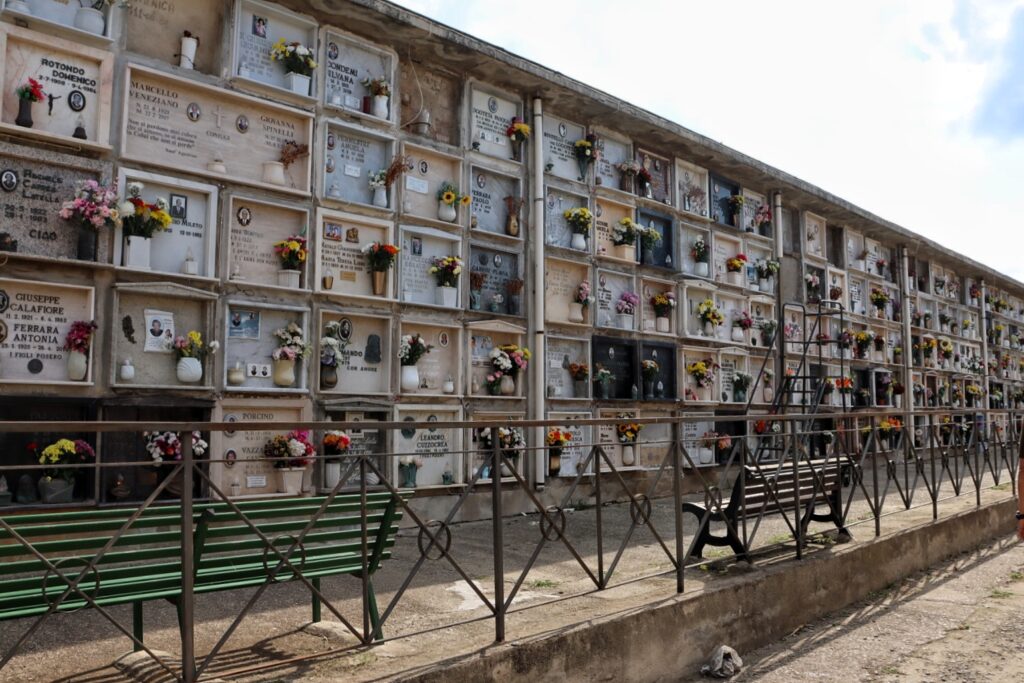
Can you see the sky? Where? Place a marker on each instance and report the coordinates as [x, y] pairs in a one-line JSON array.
[[911, 110]]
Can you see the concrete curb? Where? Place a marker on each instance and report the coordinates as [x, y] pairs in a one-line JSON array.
[[667, 640]]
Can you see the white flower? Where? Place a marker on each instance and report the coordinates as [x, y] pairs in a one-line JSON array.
[[296, 448], [161, 203], [302, 50], [214, 345], [127, 209], [135, 189]]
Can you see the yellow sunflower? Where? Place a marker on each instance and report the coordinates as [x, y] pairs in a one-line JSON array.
[[448, 197], [466, 200]]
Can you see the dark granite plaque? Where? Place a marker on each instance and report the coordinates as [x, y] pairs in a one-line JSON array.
[[664, 251], [498, 267], [620, 357]]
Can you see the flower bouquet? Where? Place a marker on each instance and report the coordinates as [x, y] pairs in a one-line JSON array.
[[380, 257], [93, 208], [586, 153], [624, 234]]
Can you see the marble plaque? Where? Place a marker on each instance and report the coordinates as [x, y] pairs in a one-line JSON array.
[[346, 62], [443, 360], [258, 26], [249, 340], [34, 320], [339, 250], [75, 78], [612, 153], [692, 188], [438, 447], [606, 215], [560, 138], [557, 230], [660, 169], [610, 287], [618, 356], [349, 158], [58, 11], [694, 297], [575, 454], [693, 434], [154, 28], [728, 367], [665, 356], [814, 227], [609, 438], [364, 366], [240, 451], [155, 369], [481, 343], [721, 191], [184, 125], [253, 228], [193, 227], [489, 117], [561, 353], [752, 201], [419, 247], [498, 268], [665, 250], [561, 281], [648, 290], [32, 192], [489, 209], [428, 171]]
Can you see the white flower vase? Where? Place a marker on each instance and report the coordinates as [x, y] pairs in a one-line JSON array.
[[332, 474], [447, 297], [625, 321], [289, 480], [576, 313], [297, 83], [735, 277], [628, 455], [91, 20], [737, 335], [78, 366], [284, 373], [189, 370], [380, 197], [289, 278], [446, 212], [578, 241], [702, 269], [379, 107], [662, 324], [410, 378], [273, 173], [508, 385], [766, 285], [187, 56], [705, 456], [136, 252]]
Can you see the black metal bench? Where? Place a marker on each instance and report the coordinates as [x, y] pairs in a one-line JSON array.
[[773, 489], [144, 563]]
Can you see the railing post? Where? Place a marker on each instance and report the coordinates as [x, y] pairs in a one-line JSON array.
[[597, 515], [873, 452], [677, 491], [498, 539], [798, 507], [188, 652]]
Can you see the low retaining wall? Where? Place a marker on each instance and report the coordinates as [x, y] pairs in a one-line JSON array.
[[669, 639]]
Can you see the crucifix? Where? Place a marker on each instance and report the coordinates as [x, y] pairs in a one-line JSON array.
[[52, 98], [219, 114]]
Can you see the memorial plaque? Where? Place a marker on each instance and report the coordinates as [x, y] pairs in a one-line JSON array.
[[561, 282], [857, 304], [729, 366], [250, 341], [561, 353], [660, 169], [665, 382], [724, 248], [692, 188], [484, 337], [619, 357], [610, 287], [364, 364], [692, 300], [34, 320], [498, 268], [443, 360], [258, 26], [193, 229], [665, 250], [241, 472], [489, 117], [347, 62], [427, 172], [557, 230], [606, 215], [693, 439], [648, 290], [438, 447], [489, 190], [481, 455], [349, 158], [814, 227], [187, 126], [608, 437], [32, 190], [721, 192], [612, 153], [854, 249], [254, 227], [752, 201], [154, 28], [342, 267], [419, 247], [690, 235], [77, 81], [560, 138], [156, 368], [575, 454], [434, 101]]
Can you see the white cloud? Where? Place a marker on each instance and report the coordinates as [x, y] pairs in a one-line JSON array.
[[872, 101]]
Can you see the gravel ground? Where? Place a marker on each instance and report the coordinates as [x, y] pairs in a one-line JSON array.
[[440, 613], [960, 622]]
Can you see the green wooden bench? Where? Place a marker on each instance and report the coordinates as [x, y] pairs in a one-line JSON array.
[[145, 564]]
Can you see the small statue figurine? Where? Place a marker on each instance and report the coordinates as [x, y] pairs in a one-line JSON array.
[[120, 489]]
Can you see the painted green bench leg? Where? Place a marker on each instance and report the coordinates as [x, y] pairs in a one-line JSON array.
[[371, 600], [316, 600], [137, 628]]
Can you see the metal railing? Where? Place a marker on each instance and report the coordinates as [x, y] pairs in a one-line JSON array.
[[881, 467]]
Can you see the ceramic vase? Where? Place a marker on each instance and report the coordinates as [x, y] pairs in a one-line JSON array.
[[78, 366], [189, 370], [446, 212], [379, 106], [289, 480], [136, 252], [578, 241], [289, 278], [380, 197], [284, 372], [662, 324], [410, 378], [187, 56], [508, 385], [380, 281], [702, 269], [297, 83], [576, 313], [91, 20]]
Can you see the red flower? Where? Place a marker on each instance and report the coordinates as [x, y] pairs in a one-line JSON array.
[[32, 447]]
